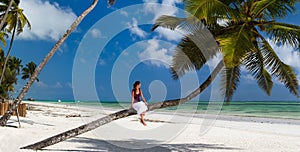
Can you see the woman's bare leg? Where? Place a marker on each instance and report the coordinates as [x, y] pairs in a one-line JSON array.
[[142, 119]]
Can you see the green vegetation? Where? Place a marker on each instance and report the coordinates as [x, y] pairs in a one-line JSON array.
[[13, 21], [13, 70]]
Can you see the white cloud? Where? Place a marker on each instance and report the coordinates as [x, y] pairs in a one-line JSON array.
[[157, 55], [248, 78], [82, 60], [150, 1], [124, 13], [168, 34], [58, 85], [42, 84], [134, 29], [101, 62], [153, 52], [171, 2], [96, 33], [69, 84], [48, 20], [159, 10]]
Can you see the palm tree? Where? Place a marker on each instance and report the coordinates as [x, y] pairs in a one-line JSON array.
[[16, 21], [28, 71], [242, 40], [7, 115], [7, 5], [10, 76], [241, 44], [15, 63]]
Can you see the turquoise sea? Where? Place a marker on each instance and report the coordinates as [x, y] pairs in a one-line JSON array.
[[271, 109]]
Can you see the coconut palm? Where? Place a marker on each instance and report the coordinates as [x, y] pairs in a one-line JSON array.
[[7, 115], [244, 39], [10, 76], [16, 21], [15, 63], [28, 71]]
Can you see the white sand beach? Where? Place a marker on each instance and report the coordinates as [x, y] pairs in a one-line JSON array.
[[164, 132]]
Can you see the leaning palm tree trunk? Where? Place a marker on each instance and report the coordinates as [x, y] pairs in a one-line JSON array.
[[8, 53], [121, 114], [8, 114], [5, 15]]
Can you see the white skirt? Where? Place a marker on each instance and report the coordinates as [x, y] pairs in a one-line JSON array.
[[140, 107]]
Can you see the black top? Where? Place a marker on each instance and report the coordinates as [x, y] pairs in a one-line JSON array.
[[137, 97]]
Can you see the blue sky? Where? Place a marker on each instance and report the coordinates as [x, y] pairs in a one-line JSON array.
[[113, 47]]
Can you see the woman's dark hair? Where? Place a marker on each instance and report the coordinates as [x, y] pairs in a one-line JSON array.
[[136, 83]]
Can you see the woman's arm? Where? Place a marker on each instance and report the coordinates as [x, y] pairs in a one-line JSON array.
[[132, 98], [143, 98]]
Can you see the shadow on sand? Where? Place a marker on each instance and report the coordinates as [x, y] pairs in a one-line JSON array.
[[101, 145]]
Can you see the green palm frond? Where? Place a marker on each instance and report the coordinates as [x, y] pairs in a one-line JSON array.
[[231, 79], [187, 57], [15, 64], [22, 22], [197, 32], [254, 63], [16, 2], [189, 25], [235, 44], [284, 33], [169, 22], [272, 9], [29, 70], [11, 21], [282, 71], [10, 77], [211, 10], [2, 36], [24, 77], [192, 28], [195, 48], [17, 19]]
